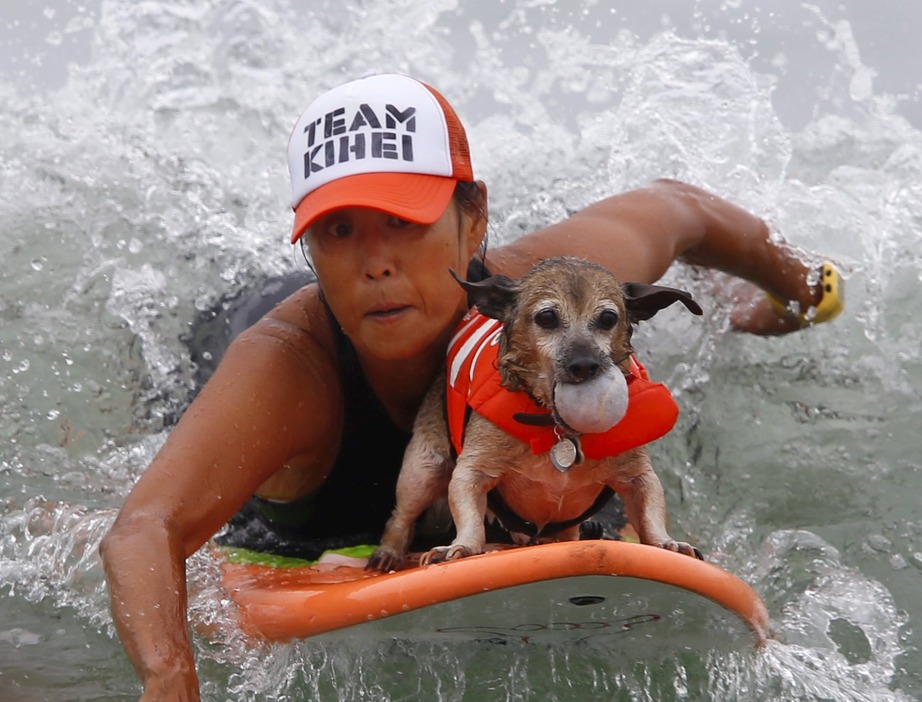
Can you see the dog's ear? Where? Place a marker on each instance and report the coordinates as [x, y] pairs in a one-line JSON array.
[[644, 301], [495, 297]]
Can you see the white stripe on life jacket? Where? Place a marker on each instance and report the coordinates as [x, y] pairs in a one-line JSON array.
[[479, 338]]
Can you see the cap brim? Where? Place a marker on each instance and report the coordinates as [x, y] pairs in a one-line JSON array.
[[410, 196]]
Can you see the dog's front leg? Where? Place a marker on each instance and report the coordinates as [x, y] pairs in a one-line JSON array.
[[645, 505], [423, 479], [467, 498]]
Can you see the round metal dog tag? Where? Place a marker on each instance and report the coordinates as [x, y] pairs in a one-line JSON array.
[[563, 454]]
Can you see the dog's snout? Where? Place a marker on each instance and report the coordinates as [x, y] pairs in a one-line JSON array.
[[583, 367]]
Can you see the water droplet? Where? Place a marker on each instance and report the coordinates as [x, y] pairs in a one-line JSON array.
[[38, 263]]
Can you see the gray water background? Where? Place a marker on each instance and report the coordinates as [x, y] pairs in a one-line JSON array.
[[142, 177]]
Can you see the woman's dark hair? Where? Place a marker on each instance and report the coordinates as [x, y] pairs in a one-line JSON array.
[[469, 198]]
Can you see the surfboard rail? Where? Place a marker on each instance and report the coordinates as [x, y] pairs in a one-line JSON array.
[[280, 604]]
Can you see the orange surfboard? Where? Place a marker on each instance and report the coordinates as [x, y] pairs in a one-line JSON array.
[[568, 592]]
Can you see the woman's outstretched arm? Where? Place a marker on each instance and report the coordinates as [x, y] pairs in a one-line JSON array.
[[639, 234]]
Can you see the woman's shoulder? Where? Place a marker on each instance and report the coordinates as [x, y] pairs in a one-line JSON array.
[[300, 316], [302, 308], [297, 330]]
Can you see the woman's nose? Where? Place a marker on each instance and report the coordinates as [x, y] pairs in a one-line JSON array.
[[378, 256], [378, 272]]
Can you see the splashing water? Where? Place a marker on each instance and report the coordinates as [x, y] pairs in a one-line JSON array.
[[146, 179]]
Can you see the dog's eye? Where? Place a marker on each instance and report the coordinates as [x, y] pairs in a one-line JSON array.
[[547, 319], [607, 320]]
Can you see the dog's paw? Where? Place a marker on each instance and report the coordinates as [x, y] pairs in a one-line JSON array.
[[384, 559], [445, 553], [683, 548]]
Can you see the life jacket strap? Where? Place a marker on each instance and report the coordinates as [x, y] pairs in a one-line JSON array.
[[514, 523]]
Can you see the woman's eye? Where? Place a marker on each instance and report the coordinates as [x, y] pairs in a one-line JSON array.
[[339, 230], [607, 320], [397, 222], [547, 319]]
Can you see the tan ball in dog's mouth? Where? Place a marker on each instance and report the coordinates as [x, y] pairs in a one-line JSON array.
[[594, 406]]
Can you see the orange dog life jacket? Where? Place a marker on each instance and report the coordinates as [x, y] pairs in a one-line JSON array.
[[473, 381]]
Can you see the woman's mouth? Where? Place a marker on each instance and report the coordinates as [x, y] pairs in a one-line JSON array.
[[387, 311]]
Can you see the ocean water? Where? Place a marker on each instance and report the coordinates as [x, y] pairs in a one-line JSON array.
[[143, 177]]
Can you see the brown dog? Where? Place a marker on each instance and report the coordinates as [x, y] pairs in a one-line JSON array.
[[563, 332]]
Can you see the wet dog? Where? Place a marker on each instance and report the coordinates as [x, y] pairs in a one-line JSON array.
[[541, 416]]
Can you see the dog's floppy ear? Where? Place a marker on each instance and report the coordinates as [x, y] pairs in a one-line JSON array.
[[495, 297], [644, 301]]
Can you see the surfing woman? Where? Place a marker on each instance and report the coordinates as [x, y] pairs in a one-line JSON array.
[[311, 407]]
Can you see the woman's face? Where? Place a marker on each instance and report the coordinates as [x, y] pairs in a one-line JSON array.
[[387, 279]]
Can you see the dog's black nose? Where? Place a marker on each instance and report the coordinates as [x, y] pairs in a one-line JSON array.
[[583, 367]]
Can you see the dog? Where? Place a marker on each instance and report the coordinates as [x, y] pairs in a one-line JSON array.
[[561, 332]]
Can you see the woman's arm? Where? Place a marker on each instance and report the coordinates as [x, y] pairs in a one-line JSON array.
[[145, 569], [639, 234], [264, 405]]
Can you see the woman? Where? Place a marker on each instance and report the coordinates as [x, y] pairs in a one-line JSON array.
[[310, 408]]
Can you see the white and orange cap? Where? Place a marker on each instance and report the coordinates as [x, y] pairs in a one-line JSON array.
[[385, 141]]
